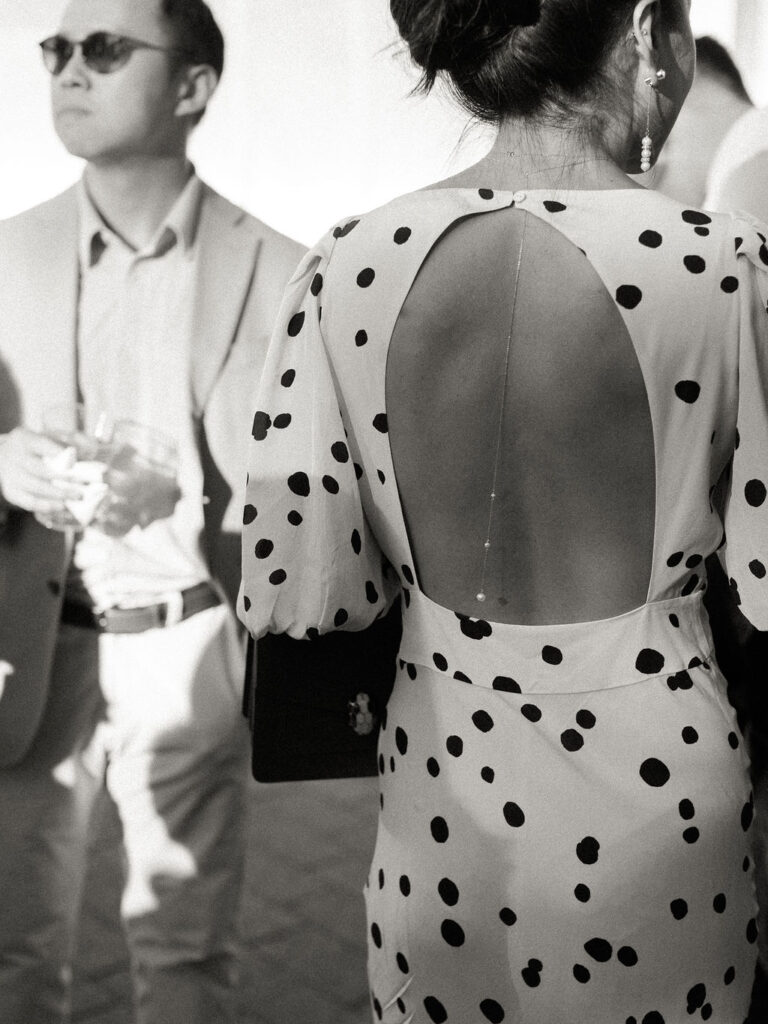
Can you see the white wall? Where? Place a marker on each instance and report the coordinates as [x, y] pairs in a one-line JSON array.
[[313, 119]]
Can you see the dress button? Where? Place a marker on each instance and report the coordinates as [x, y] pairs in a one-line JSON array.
[[520, 197]]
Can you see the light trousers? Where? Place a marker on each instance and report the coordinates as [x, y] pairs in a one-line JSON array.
[[156, 717]]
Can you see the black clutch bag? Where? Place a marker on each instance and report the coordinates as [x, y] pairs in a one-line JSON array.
[[315, 706]]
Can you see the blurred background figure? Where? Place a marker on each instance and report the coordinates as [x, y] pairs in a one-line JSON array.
[[717, 154]]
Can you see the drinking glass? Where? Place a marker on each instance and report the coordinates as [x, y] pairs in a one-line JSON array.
[[85, 450], [141, 477]]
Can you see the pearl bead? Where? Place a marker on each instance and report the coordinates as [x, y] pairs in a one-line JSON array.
[[487, 545], [481, 596]]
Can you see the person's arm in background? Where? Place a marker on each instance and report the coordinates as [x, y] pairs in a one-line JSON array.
[[746, 188]]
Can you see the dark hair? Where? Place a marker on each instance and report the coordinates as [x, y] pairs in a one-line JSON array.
[[513, 57], [196, 32], [713, 58]]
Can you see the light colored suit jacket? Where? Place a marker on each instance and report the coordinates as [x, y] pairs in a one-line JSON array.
[[242, 270]]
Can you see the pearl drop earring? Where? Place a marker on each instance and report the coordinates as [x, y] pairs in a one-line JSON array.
[[646, 151]]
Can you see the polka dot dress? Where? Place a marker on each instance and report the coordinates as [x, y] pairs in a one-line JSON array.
[[565, 817]]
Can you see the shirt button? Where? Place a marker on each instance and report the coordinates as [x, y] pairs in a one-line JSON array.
[[520, 197]]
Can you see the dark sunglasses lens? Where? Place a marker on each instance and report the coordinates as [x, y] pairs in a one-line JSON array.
[[57, 52], [104, 52]]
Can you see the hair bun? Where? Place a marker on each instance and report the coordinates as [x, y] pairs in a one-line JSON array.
[[444, 35]]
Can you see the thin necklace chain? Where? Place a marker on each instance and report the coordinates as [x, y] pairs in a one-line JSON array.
[[555, 167], [481, 595]]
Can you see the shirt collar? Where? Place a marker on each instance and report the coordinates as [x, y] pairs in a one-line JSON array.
[[179, 225]]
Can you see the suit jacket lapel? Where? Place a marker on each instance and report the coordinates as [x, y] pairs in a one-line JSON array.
[[226, 266]]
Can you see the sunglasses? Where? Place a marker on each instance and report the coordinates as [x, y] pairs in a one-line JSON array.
[[103, 52]]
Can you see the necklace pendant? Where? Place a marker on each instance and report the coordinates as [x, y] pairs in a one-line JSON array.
[[481, 597]]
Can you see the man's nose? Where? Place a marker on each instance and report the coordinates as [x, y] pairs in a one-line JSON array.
[[75, 72]]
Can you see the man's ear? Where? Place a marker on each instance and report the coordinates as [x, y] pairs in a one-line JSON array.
[[197, 85]]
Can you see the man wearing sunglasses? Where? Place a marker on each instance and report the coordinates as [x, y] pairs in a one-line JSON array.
[[142, 293]]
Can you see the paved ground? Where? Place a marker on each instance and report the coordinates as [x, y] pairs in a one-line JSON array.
[[303, 925]]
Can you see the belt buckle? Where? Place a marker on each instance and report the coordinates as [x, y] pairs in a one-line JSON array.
[[171, 611]]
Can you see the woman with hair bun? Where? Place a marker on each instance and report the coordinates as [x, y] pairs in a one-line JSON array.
[[532, 399]]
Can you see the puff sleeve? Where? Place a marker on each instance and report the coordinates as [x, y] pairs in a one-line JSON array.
[[309, 560], [745, 553]]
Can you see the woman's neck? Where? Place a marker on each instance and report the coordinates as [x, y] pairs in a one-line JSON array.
[[541, 156]]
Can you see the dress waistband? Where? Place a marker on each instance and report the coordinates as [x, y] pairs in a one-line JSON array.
[[664, 638]]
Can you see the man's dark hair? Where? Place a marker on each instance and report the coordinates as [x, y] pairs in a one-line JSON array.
[[197, 34], [713, 58]]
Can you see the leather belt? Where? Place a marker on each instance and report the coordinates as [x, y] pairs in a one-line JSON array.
[[138, 620]]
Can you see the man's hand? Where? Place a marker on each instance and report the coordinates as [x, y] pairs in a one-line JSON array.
[[27, 478], [136, 498]]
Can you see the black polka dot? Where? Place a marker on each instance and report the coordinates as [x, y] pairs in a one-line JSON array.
[[440, 662], [582, 893], [433, 767], [690, 735], [697, 996], [485, 193], [674, 621], [686, 809], [358, 471], [552, 655], [482, 721], [675, 559], [531, 712], [757, 568], [651, 238], [277, 577], [532, 973], [381, 878], [679, 909], [380, 422], [585, 719], [453, 933], [377, 1008], [629, 296], [341, 232], [581, 974], [401, 740], [361, 338], [249, 514], [696, 217], [371, 593], [449, 892], [729, 284], [733, 741], [366, 277], [654, 772], [752, 931], [357, 544], [435, 1010], [719, 903], [261, 424], [455, 746], [475, 629], [439, 828], [340, 452], [506, 685], [404, 884], [507, 916], [492, 1011], [299, 484], [295, 518], [247, 603], [627, 956], [513, 815], [331, 484], [691, 835], [288, 378], [402, 235], [264, 548], [649, 661], [654, 1017], [376, 935], [572, 740], [588, 850], [599, 949], [703, 232], [695, 264], [295, 324], [487, 774], [687, 391], [553, 207], [380, 475], [755, 493], [747, 813], [730, 976], [340, 617]]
